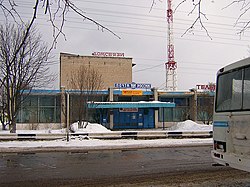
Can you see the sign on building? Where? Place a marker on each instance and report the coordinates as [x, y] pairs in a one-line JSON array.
[[133, 85], [128, 109], [108, 54], [206, 87], [132, 92]]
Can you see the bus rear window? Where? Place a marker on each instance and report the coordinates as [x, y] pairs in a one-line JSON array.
[[229, 91]]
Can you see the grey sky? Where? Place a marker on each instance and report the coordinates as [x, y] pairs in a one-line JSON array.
[[144, 38]]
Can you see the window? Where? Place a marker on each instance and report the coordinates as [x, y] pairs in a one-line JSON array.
[[229, 91], [246, 89], [180, 101], [43, 109]]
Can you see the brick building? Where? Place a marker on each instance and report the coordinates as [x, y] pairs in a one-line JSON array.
[[113, 69]]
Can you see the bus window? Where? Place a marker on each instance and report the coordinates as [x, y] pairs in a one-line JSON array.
[[228, 95], [246, 91]]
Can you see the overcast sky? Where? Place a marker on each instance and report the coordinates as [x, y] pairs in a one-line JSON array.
[[144, 38]]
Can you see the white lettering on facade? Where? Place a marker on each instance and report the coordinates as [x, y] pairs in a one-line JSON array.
[[133, 85]]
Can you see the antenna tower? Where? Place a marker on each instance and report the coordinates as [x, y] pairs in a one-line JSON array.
[[171, 65]]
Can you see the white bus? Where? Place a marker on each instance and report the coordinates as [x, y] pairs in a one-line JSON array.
[[231, 123]]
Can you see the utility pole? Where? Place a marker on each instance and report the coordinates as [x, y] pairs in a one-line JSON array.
[[67, 130]]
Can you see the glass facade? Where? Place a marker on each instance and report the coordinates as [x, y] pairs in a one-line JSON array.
[[179, 113], [40, 109], [46, 108]]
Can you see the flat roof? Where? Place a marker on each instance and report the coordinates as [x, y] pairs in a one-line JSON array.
[[140, 104]]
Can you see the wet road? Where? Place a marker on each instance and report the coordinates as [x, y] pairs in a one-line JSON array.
[[105, 167]]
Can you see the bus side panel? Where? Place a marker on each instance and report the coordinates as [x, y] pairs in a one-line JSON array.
[[239, 131], [231, 134]]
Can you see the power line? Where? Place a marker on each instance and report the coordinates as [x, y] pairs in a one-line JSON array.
[[157, 25]]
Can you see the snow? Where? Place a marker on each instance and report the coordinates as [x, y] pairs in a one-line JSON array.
[[189, 125], [89, 127], [85, 143], [122, 143]]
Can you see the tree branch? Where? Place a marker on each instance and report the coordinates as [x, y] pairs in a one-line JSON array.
[[56, 9], [79, 12], [245, 7], [196, 7]]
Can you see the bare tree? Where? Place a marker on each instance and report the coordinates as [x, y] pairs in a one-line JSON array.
[[3, 105], [86, 81], [56, 10], [205, 108], [23, 66]]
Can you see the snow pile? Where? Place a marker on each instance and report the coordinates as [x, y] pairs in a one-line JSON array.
[[189, 125], [89, 127]]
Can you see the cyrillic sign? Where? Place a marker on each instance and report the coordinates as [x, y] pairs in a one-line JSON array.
[[108, 54], [211, 87], [131, 92], [128, 109], [133, 85]]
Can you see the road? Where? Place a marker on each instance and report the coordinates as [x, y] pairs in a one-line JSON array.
[[143, 167]]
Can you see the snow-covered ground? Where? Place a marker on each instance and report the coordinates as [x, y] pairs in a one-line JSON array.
[[189, 125], [123, 143], [86, 143]]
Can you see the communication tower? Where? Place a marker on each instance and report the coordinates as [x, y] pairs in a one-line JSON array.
[[171, 65]]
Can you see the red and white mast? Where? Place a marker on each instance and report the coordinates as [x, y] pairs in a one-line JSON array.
[[171, 65]]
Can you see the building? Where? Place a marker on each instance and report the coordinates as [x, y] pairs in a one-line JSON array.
[[152, 109], [119, 104], [112, 68]]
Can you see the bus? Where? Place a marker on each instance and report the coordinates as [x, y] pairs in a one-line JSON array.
[[231, 121]]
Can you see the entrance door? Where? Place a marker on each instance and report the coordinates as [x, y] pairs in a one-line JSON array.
[[148, 118]]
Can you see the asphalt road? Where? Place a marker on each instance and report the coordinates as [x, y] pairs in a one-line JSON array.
[[180, 166]]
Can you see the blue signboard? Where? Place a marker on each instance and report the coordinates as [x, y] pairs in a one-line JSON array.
[[133, 85]]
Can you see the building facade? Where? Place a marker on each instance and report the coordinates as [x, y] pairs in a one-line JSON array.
[[113, 69], [47, 109], [123, 104]]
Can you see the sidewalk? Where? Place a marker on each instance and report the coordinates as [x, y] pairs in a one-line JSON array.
[[96, 137], [32, 135], [96, 131], [83, 144]]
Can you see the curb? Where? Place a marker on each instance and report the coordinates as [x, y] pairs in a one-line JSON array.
[[112, 135]]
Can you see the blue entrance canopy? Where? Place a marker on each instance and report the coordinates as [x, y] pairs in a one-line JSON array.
[[141, 104]]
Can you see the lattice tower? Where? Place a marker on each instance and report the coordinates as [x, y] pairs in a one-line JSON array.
[[171, 65]]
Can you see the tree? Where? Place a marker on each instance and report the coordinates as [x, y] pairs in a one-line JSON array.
[[3, 101], [205, 108], [56, 10], [23, 66], [86, 81]]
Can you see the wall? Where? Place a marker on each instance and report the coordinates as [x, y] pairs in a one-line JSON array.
[[112, 69]]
